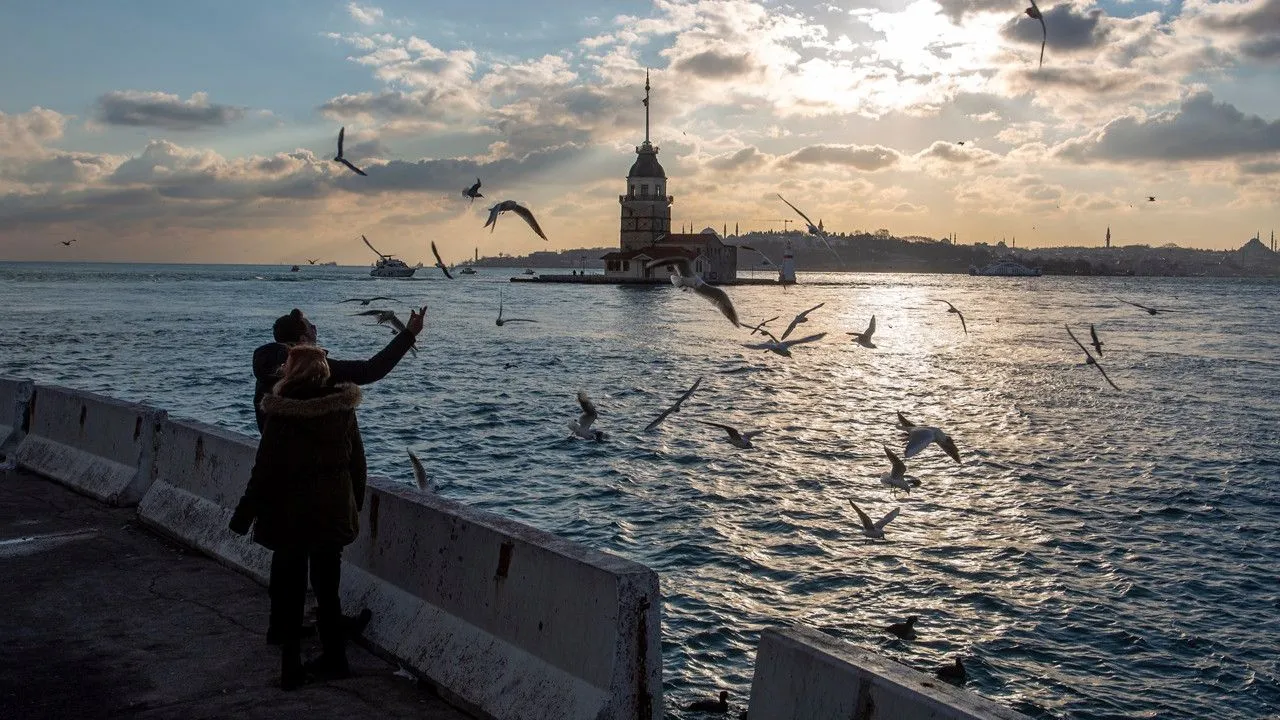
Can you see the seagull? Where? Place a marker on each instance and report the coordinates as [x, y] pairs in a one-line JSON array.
[[864, 338], [897, 477], [769, 262], [1151, 198], [388, 317], [1097, 344], [711, 706], [366, 301], [959, 142], [686, 279], [516, 208], [736, 439], [502, 321], [904, 630], [802, 317], [312, 262], [473, 192], [420, 474], [1088, 359], [874, 529], [782, 347], [582, 428], [1034, 12], [952, 309], [922, 436], [757, 328], [440, 263], [339, 158], [67, 242], [813, 229], [954, 674], [674, 408], [1150, 310]]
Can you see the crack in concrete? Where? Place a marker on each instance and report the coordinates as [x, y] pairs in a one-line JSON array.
[[152, 589]]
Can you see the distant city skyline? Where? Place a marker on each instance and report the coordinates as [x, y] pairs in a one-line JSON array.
[[171, 133]]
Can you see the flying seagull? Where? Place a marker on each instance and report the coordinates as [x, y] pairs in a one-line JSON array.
[[388, 317], [1151, 198], [736, 439], [338, 158], [897, 477], [864, 338], [1034, 13], [674, 408], [67, 242], [813, 229], [874, 529], [782, 347], [802, 317], [582, 428], [473, 192], [952, 309], [501, 321], [366, 301], [440, 263], [686, 279], [420, 474], [904, 630], [769, 262], [1096, 343], [1088, 359], [1150, 310], [516, 208], [757, 328], [922, 436]]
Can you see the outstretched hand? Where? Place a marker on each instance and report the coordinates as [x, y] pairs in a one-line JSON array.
[[416, 319]]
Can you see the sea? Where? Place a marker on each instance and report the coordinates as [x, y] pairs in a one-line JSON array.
[[1096, 554]]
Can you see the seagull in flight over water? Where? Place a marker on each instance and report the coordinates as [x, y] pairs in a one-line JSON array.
[[1096, 343], [952, 309], [1150, 310], [813, 229], [500, 322], [864, 338], [582, 428], [440, 263], [1088, 359], [420, 474], [473, 192], [897, 477], [388, 317], [782, 347], [736, 439], [67, 242], [922, 436], [686, 279], [338, 158], [516, 208], [874, 529], [366, 301], [674, 408], [1034, 13], [802, 317], [757, 328]]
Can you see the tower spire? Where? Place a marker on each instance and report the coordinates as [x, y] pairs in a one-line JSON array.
[[646, 106]]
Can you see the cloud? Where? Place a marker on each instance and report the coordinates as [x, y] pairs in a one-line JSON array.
[[27, 133], [868, 158], [1253, 25], [747, 158], [943, 156], [956, 10], [1072, 30], [1200, 129], [135, 108], [715, 64], [364, 14]]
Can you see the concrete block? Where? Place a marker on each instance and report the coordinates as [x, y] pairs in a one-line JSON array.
[[804, 674], [95, 445], [14, 397], [200, 473], [506, 620]]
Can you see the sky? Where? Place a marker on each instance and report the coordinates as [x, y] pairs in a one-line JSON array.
[[205, 131]]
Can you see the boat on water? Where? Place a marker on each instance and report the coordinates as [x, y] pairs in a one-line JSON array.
[[468, 270], [529, 271], [331, 263], [1005, 268], [388, 266], [295, 268]]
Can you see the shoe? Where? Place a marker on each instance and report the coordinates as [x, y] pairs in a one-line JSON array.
[[273, 635], [292, 673], [328, 667]]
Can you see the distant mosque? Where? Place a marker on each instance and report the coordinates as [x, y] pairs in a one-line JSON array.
[[645, 233]]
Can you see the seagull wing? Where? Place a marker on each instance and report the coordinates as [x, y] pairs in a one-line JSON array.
[[419, 473], [806, 339], [658, 420], [793, 207], [802, 317], [866, 521], [388, 317], [899, 467], [1144, 307], [342, 132], [721, 300], [963, 325], [354, 169], [919, 439], [440, 263], [732, 431], [359, 300], [886, 519], [589, 413], [689, 393], [903, 422], [1106, 377], [951, 307], [871, 329], [1082, 347], [525, 213], [683, 267], [1097, 344], [760, 327]]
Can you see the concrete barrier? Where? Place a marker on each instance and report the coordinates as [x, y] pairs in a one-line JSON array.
[[200, 473], [95, 445], [14, 397], [507, 621], [803, 674]]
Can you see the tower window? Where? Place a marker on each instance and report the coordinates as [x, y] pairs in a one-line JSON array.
[[644, 190], [659, 190], [633, 191]]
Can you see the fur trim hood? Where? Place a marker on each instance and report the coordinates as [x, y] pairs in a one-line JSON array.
[[345, 396]]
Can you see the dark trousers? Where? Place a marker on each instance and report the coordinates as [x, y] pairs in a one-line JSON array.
[[288, 590]]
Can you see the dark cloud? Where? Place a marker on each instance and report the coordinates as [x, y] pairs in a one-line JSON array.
[[744, 159], [1266, 48], [1254, 24], [957, 9], [155, 109], [1068, 29], [862, 157], [1200, 129], [715, 64], [429, 104], [1262, 167]]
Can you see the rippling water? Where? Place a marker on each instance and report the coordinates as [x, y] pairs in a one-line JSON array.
[[1097, 554]]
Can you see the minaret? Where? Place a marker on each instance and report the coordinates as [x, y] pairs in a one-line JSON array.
[[1108, 236], [646, 206]]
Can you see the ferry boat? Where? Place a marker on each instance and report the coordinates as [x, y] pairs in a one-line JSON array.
[[469, 270], [1006, 268], [529, 271], [388, 266]]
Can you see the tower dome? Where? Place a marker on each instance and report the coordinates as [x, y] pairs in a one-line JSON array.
[[646, 164]]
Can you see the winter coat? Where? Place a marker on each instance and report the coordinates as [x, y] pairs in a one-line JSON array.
[[308, 480], [268, 359]]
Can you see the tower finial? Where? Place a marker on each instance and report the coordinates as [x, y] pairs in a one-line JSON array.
[[646, 106]]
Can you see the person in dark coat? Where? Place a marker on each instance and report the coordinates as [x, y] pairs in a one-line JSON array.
[[295, 328], [303, 498]]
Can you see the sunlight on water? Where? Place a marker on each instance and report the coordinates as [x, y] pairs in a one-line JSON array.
[[1097, 554]]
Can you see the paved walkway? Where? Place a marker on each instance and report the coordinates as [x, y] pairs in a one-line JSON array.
[[99, 618]]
